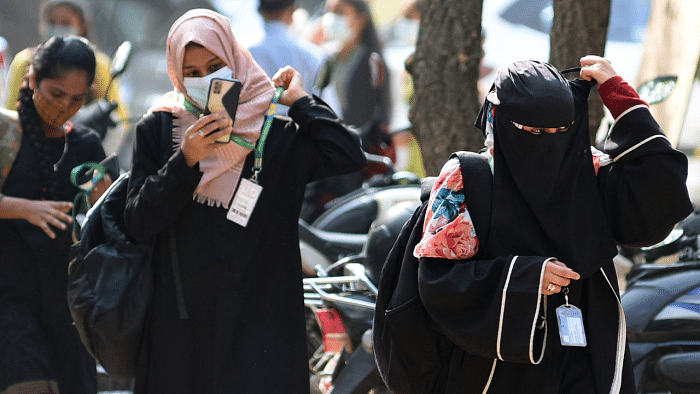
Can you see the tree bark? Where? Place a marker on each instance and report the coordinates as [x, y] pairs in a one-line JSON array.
[[445, 71], [580, 28]]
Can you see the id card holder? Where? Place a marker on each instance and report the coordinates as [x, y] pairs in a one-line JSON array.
[[244, 202], [570, 322]]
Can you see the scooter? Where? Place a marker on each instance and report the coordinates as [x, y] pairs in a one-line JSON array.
[[340, 307], [662, 306], [341, 230]]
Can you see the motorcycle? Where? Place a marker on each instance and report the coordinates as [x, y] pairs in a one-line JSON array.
[[340, 307], [98, 115], [341, 230], [662, 305]]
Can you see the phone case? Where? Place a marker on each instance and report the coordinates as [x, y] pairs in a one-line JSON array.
[[223, 94]]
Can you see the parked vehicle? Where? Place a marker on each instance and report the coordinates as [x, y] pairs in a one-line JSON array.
[[662, 308], [341, 230], [98, 114], [340, 308]]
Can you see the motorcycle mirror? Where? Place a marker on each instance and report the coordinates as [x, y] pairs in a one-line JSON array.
[[120, 58], [658, 89]]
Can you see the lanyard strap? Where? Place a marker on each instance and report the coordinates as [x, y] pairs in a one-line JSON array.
[[257, 166], [83, 196], [194, 110]]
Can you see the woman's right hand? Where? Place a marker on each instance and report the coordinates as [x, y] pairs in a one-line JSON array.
[[44, 213], [200, 140], [557, 275], [291, 81]]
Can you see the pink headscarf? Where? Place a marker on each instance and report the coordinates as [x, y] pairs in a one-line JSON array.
[[222, 168]]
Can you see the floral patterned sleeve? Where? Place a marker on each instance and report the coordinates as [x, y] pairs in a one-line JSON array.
[[448, 231]]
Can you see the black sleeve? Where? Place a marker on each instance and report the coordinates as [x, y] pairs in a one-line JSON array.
[[489, 308], [332, 148], [157, 192], [644, 189]]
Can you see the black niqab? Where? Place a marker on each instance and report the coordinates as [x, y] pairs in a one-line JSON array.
[[546, 200]]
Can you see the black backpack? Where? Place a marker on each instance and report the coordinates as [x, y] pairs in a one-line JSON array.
[[110, 280], [411, 354], [110, 284]]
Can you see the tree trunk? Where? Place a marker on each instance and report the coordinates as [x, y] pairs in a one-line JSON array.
[[445, 71], [580, 28]]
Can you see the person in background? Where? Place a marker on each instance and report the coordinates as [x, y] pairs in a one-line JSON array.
[[354, 76], [40, 350], [57, 18], [401, 38], [5, 59], [354, 81], [279, 48], [234, 320]]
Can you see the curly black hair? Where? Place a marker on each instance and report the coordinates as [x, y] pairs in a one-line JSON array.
[[52, 59]]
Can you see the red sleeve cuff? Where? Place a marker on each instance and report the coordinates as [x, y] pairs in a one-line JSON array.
[[618, 96]]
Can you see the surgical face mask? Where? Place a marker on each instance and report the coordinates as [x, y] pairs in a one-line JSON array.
[[198, 87], [57, 30], [53, 112], [407, 31], [336, 27]]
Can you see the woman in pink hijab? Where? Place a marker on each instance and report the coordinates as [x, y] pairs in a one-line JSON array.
[[227, 311]]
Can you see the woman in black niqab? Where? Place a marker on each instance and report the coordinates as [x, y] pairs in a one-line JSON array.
[[552, 205], [546, 200]]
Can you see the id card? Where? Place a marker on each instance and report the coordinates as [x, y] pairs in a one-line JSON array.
[[244, 202], [571, 330]]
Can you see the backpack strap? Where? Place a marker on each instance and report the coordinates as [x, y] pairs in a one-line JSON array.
[[478, 193], [166, 150]]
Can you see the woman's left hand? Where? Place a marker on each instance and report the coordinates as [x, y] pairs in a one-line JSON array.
[[291, 81]]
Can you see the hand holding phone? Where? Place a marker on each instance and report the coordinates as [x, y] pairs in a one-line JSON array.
[[223, 94]]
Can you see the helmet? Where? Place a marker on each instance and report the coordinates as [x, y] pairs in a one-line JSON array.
[[382, 235]]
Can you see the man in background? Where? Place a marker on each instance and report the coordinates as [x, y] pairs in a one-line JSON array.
[[279, 48]]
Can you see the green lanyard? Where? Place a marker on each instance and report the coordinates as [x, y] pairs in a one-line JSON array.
[[257, 167], [83, 196], [194, 110]]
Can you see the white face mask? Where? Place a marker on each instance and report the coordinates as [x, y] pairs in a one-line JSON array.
[[57, 30], [336, 27], [198, 87], [407, 31]]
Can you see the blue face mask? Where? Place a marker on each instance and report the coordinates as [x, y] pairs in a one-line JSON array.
[[198, 87]]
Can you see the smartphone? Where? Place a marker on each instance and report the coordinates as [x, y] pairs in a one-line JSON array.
[[111, 164], [223, 94]]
